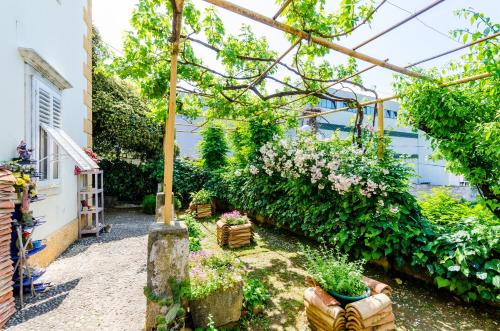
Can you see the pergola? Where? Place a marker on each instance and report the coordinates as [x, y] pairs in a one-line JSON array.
[[178, 5]]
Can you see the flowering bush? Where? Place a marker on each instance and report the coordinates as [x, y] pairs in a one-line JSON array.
[[210, 271], [234, 218], [342, 195], [328, 190]]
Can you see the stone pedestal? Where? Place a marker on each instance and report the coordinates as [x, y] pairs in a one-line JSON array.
[[168, 253]]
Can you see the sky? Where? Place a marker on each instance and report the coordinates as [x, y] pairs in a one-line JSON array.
[[418, 39]]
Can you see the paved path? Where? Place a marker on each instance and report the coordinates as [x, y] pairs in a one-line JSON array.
[[98, 282]]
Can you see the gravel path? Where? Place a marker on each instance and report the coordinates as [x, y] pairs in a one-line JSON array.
[[97, 283]]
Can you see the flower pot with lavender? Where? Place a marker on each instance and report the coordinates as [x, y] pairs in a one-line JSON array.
[[234, 229]]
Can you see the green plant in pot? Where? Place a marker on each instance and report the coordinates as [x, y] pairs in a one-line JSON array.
[[341, 278], [202, 197]]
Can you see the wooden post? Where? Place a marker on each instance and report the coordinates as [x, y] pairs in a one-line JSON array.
[[168, 139], [380, 120]]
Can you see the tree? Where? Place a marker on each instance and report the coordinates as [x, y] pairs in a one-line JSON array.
[[233, 90], [213, 147], [123, 125], [463, 121]]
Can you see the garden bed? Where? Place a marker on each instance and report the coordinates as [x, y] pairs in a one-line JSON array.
[[274, 259]]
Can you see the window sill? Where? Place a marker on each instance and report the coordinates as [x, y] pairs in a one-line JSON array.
[[50, 188]]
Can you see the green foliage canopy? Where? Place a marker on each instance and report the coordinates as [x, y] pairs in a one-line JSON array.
[[123, 125], [463, 121], [242, 57]]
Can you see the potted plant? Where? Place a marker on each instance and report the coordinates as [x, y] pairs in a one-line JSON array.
[[201, 203], [234, 229], [216, 288], [335, 274]]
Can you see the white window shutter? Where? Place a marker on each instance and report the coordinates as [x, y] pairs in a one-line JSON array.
[[44, 105], [56, 112]]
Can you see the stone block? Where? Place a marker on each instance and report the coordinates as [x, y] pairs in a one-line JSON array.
[[222, 306], [168, 254]]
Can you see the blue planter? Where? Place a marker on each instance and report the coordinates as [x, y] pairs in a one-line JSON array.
[[346, 299]]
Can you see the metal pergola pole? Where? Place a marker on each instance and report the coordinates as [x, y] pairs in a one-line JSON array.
[[168, 139]]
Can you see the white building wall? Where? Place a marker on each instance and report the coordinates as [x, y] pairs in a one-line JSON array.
[[55, 30]]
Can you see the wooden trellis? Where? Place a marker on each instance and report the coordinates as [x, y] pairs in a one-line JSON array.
[[178, 5]]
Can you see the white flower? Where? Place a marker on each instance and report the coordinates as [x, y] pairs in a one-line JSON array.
[[385, 171], [253, 170], [381, 203], [481, 275], [394, 210], [454, 268], [321, 186], [237, 173]]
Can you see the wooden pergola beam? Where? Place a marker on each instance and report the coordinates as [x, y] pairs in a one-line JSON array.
[[409, 18], [282, 8], [304, 35]]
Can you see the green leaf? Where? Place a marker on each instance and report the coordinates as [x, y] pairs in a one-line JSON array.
[[442, 282]]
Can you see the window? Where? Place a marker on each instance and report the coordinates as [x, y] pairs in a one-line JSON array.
[[47, 109]]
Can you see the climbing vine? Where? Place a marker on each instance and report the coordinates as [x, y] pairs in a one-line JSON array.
[[463, 121]]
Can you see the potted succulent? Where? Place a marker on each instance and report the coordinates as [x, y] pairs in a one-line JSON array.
[[335, 274], [201, 203], [216, 288], [234, 229]]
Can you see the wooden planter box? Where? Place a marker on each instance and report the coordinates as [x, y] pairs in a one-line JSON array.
[[234, 235], [223, 307], [203, 211]]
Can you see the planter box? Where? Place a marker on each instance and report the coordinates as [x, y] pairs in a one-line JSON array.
[[222, 306], [203, 211], [234, 235]]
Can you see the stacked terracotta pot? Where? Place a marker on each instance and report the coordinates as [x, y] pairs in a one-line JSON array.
[[371, 314], [7, 197], [323, 311]]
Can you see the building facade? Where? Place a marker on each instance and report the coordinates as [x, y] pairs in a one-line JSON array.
[[46, 66]]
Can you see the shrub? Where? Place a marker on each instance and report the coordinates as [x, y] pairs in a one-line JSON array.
[[463, 259], [334, 273], [343, 196], [188, 178], [442, 208], [255, 295], [330, 191], [201, 197], [149, 204], [194, 232], [209, 272], [213, 148], [126, 181]]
